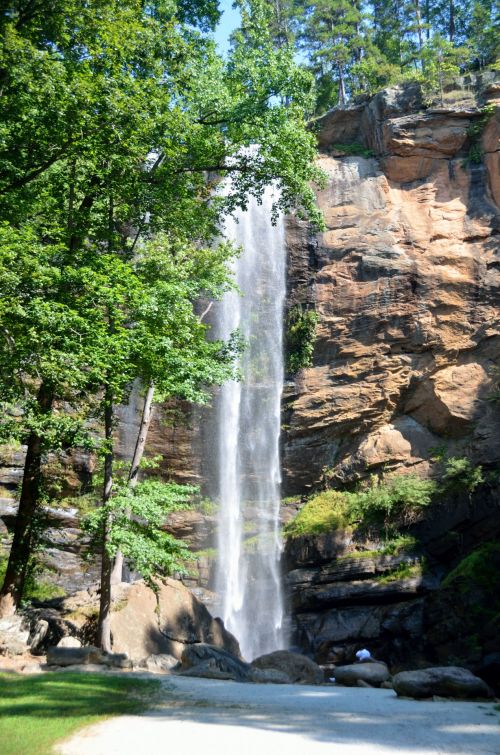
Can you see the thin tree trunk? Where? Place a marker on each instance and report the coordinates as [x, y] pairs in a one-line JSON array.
[[147, 414], [342, 92], [418, 16], [427, 20], [452, 21], [104, 623], [22, 543]]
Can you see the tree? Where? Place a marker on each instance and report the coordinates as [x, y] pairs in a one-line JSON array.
[[118, 118]]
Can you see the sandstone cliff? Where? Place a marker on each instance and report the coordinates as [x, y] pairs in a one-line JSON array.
[[406, 283]]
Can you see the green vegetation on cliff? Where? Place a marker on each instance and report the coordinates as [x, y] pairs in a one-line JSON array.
[[386, 505], [478, 571], [300, 338]]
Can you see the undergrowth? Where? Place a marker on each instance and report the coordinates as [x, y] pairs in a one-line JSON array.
[[353, 149], [384, 505]]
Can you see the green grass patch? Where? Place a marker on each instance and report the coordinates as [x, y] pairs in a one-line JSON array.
[[37, 711], [353, 149], [403, 571], [393, 547]]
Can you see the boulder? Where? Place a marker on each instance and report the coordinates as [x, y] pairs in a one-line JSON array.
[[161, 663], [373, 674], [215, 663], [298, 668], [146, 622], [69, 642], [84, 656], [71, 656], [210, 670], [14, 636], [443, 681], [270, 676]]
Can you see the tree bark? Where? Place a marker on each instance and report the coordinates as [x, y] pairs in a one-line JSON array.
[[133, 475], [451, 29], [22, 543], [104, 622], [342, 92]]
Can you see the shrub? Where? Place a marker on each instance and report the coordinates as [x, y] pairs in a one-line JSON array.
[[460, 474], [397, 501], [478, 570], [300, 338], [323, 512]]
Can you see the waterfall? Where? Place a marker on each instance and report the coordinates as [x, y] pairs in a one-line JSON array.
[[247, 436]]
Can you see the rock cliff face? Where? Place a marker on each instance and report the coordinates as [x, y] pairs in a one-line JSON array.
[[406, 283]]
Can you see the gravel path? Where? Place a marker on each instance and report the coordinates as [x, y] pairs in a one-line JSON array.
[[205, 717]]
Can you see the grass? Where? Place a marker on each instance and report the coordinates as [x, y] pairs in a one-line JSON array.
[[403, 571], [393, 547], [38, 711], [353, 149]]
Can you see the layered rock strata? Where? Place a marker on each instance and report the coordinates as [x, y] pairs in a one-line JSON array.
[[406, 283]]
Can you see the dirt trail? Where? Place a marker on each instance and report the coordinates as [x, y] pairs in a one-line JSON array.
[[204, 717]]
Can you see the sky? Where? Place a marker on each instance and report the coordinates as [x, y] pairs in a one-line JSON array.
[[229, 21]]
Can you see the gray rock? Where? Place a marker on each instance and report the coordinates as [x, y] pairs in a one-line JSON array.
[[14, 636], [161, 663], [443, 681], [299, 668], [64, 656], [270, 676], [370, 673], [221, 662], [116, 660], [210, 669]]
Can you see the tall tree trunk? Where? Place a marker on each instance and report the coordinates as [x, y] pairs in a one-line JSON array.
[[451, 29], [140, 444], [104, 623], [22, 543], [418, 17]]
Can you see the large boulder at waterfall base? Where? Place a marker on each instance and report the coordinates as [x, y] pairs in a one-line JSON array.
[[212, 662], [270, 676], [373, 674], [298, 668], [444, 681], [165, 621]]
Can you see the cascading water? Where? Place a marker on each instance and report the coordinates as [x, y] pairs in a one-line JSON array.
[[248, 429]]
